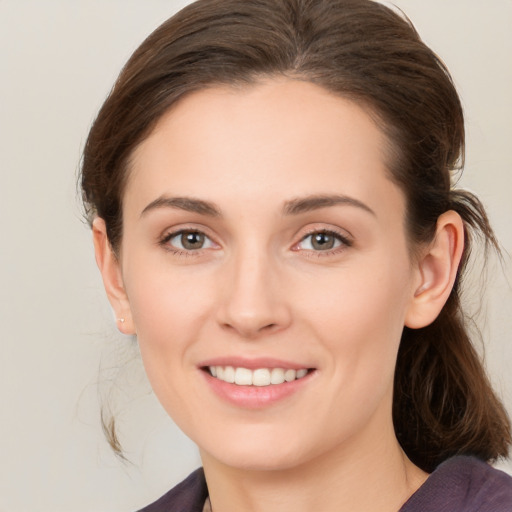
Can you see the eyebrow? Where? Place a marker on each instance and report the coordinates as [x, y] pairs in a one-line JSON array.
[[315, 202], [292, 207], [188, 204]]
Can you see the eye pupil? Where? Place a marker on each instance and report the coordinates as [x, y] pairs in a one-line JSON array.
[[192, 240], [322, 241]]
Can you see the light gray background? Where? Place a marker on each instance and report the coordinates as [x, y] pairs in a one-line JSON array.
[[59, 348]]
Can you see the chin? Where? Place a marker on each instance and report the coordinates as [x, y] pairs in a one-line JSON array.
[[259, 462], [251, 455]]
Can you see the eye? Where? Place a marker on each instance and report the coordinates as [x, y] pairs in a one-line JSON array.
[[188, 240], [322, 241]]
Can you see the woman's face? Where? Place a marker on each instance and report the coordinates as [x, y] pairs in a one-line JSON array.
[[264, 242]]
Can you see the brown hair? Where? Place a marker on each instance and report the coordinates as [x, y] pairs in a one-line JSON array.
[[361, 50]]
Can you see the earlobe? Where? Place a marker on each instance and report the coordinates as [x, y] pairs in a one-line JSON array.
[[437, 271], [111, 274]]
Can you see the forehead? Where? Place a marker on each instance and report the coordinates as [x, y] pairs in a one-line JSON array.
[[272, 139]]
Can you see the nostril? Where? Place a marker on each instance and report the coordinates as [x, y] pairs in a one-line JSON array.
[[250, 331]]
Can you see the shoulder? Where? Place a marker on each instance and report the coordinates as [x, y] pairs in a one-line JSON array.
[[187, 496], [463, 484]]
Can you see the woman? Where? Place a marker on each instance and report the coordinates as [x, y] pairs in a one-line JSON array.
[[269, 187]]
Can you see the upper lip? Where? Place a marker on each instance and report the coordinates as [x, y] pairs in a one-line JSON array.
[[253, 363]]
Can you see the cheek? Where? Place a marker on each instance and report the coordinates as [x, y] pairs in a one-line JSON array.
[[359, 322], [169, 316], [364, 297], [162, 297], [170, 311], [360, 316]]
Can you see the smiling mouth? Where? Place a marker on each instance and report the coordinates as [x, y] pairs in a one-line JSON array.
[[260, 377]]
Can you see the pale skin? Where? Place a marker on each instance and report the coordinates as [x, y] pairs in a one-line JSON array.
[[303, 257]]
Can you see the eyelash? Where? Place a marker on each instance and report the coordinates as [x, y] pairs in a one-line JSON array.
[[344, 241], [184, 253]]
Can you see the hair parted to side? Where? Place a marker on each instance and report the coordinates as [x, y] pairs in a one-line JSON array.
[[361, 50]]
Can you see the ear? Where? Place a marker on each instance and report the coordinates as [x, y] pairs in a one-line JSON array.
[[110, 269], [437, 270]]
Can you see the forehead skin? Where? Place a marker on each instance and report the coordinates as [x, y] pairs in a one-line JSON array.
[[223, 135]]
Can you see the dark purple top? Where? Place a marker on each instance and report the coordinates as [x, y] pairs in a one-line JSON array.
[[461, 484]]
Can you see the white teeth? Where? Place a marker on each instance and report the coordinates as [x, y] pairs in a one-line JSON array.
[[229, 374], [290, 375], [243, 377], [260, 377], [301, 373], [277, 376]]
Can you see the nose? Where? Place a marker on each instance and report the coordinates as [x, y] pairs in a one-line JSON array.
[[254, 298]]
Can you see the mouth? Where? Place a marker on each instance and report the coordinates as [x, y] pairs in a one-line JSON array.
[[259, 377]]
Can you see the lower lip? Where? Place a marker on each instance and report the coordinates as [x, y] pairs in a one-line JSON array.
[[255, 397]]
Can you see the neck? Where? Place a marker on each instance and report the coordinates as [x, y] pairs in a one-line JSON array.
[[380, 478]]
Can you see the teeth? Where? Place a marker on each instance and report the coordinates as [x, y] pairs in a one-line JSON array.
[[243, 377], [229, 374], [259, 377], [277, 376], [290, 375]]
